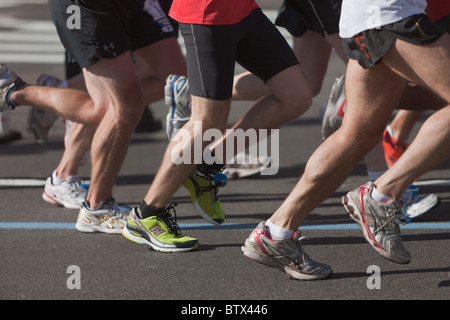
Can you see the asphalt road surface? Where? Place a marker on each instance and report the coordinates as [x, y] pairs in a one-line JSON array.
[[42, 256]]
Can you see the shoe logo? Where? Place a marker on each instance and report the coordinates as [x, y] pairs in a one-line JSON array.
[[157, 230], [82, 217], [341, 109], [257, 236]]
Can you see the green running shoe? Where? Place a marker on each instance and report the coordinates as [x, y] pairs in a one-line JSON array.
[[203, 189], [160, 232]]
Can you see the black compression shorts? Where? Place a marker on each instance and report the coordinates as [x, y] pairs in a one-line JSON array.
[[298, 16], [212, 51]]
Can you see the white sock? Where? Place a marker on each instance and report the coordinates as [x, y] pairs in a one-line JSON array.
[[55, 179], [378, 196], [275, 232]]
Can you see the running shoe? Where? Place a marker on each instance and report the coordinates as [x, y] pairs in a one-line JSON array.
[[160, 232], [40, 122], [203, 189], [177, 98], [247, 169], [286, 255], [415, 206], [393, 149], [108, 217], [9, 82], [335, 108], [69, 193], [379, 222]]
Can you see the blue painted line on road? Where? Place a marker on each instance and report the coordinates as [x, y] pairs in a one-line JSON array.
[[37, 225], [227, 226]]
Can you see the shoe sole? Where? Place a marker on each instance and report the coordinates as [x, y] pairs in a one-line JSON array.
[[233, 173], [356, 216], [204, 215], [139, 240], [47, 198], [80, 226]]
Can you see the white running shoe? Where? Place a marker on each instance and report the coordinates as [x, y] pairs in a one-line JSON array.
[[335, 108], [177, 98], [108, 217], [69, 193], [415, 206], [251, 167]]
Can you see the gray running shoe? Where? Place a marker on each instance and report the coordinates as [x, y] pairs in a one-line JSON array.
[[177, 98], [379, 222], [40, 122], [108, 217], [9, 82], [287, 255], [335, 109]]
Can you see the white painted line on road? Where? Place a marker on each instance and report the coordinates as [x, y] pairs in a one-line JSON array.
[[33, 48], [32, 58], [28, 182], [22, 183], [436, 183], [15, 3]]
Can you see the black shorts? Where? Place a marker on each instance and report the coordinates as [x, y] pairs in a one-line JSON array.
[[109, 28], [370, 46], [298, 16], [212, 51], [444, 23]]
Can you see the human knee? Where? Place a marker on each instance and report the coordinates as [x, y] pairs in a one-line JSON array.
[[128, 111], [295, 102]]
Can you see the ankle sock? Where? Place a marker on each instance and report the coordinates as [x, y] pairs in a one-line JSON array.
[[55, 179], [145, 210], [378, 196], [275, 232]]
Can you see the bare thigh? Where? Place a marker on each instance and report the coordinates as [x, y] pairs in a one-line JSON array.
[[425, 65]]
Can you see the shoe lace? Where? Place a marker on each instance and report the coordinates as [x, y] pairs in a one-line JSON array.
[[167, 219], [397, 217], [75, 186], [305, 258], [118, 212], [218, 180]]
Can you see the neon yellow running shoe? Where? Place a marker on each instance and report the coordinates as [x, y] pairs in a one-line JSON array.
[[203, 189], [160, 232]]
